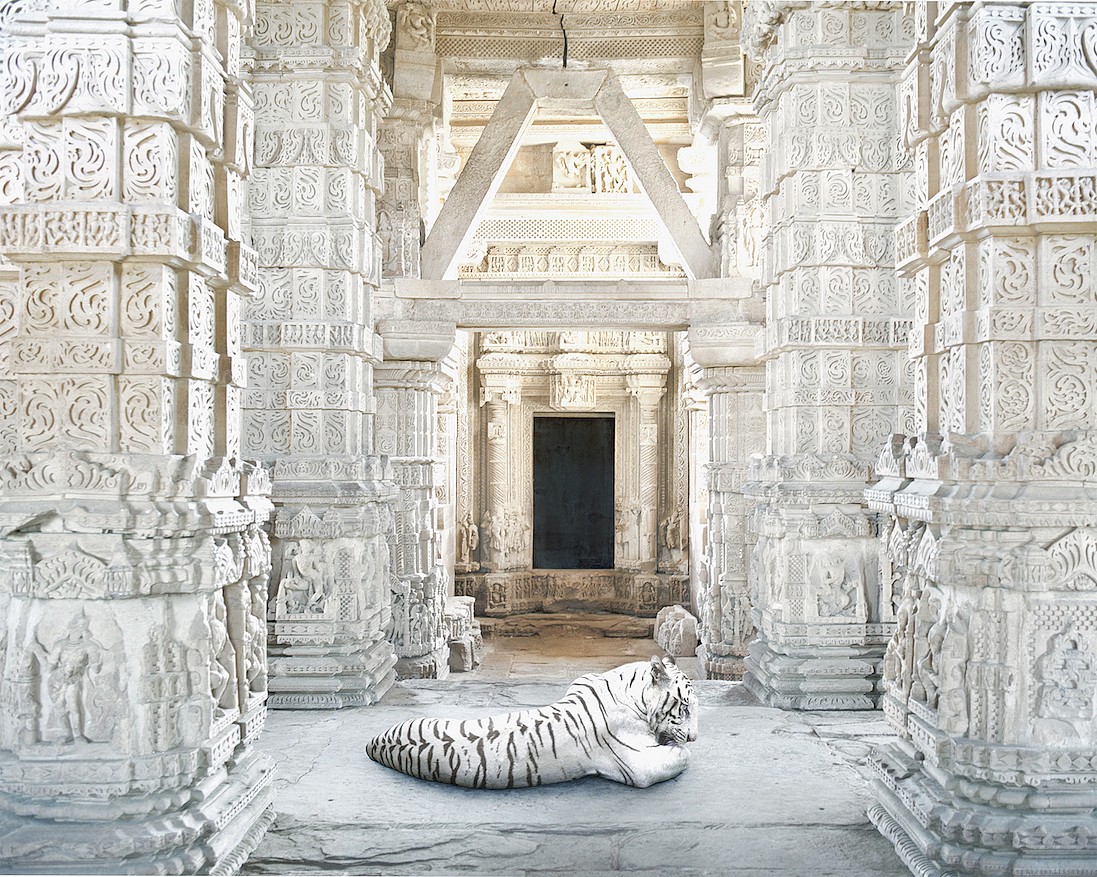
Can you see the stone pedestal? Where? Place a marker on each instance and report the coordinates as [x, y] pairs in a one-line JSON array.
[[309, 404], [990, 505], [836, 331], [465, 641], [133, 560]]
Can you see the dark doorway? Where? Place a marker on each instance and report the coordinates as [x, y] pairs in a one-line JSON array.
[[573, 492]]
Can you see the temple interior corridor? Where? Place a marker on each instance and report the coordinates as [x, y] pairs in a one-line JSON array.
[[305, 306]]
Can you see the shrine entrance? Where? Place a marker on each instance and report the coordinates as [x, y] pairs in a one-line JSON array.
[[573, 492], [575, 444]]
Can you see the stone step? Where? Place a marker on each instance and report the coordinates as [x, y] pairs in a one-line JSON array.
[[586, 624]]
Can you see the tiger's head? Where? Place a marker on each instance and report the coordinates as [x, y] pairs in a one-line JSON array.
[[672, 710]]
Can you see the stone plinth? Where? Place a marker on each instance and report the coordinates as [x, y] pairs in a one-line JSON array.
[[559, 590]]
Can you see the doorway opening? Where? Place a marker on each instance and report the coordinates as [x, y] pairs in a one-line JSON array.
[[573, 492]]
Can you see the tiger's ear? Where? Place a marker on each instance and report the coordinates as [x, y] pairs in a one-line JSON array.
[[658, 671]]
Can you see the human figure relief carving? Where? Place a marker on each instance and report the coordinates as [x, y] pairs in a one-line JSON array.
[[305, 586], [256, 640], [570, 167], [468, 540], [573, 391], [416, 23], [629, 725], [222, 657], [953, 704], [899, 657], [626, 536], [609, 170], [737, 624], [924, 672], [81, 681]]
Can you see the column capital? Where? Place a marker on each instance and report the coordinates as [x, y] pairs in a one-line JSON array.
[[500, 388], [412, 374], [730, 344], [648, 389], [417, 340], [742, 379]]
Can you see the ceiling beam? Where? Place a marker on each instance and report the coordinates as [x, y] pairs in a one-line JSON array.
[[478, 181], [646, 163], [487, 165]]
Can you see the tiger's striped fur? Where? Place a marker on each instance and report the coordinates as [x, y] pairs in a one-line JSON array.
[[630, 725]]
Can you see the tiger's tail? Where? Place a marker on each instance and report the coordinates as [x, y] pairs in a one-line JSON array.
[[423, 748]]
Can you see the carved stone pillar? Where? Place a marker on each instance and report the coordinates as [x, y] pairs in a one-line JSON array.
[[675, 522], [133, 570], [836, 333], [991, 541], [309, 405], [501, 396], [399, 220], [406, 138], [408, 391], [725, 346], [736, 433], [647, 391]]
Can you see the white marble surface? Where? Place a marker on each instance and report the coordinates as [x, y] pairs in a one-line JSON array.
[[767, 793]]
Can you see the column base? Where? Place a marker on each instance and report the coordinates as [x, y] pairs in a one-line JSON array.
[[935, 832], [728, 668], [814, 677], [214, 836], [434, 665], [313, 677]]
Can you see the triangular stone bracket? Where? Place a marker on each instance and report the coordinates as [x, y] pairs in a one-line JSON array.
[[530, 89]]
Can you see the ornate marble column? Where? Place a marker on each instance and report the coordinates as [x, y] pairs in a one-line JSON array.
[[311, 348], [647, 390], [736, 433], [501, 395], [409, 384], [11, 192], [133, 570], [407, 142], [991, 505], [837, 326], [725, 346]]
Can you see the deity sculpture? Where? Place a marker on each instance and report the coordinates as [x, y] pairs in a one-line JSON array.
[[468, 540], [74, 659]]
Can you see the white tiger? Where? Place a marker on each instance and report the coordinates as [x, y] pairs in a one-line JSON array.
[[630, 725]]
